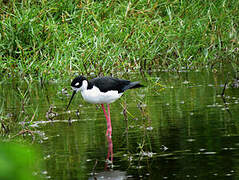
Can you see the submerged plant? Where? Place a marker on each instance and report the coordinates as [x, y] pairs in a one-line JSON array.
[[4, 127]]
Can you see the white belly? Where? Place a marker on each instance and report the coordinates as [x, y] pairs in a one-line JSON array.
[[94, 96]]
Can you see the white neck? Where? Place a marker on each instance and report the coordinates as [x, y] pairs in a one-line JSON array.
[[84, 85]]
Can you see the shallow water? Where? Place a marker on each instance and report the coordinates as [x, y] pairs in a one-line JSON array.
[[178, 127]]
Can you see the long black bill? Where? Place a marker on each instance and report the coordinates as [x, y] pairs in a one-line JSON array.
[[73, 94]]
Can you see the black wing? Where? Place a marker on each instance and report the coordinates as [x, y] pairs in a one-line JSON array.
[[109, 83]]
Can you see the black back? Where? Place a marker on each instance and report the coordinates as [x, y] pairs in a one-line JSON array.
[[109, 83]]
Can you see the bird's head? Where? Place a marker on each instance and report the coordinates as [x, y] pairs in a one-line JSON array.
[[77, 84]]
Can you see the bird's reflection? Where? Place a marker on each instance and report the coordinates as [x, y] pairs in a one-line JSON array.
[[109, 172], [110, 155]]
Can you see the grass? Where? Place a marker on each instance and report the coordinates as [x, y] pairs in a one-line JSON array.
[[51, 39]]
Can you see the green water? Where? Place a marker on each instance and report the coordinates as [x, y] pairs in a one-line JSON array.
[[178, 127]]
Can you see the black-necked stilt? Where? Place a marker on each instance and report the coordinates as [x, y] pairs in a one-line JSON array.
[[102, 90]]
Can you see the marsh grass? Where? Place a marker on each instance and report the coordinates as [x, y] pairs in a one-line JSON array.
[[49, 39], [16, 111]]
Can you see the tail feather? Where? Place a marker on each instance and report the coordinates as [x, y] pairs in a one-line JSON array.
[[133, 85]]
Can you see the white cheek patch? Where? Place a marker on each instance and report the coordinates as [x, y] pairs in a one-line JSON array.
[[77, 84], [75, 89]]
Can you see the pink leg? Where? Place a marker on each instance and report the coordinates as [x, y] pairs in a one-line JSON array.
[[106, 116], [110, 149], [109, 120], [109, 128]]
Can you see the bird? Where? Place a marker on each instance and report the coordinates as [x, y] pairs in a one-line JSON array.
[[102, 90]]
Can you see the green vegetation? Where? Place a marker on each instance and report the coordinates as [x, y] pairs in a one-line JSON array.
[[17, 162], [49, 39], [53, 39]]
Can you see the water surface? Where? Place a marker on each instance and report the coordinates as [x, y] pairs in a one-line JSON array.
[[178, 127]]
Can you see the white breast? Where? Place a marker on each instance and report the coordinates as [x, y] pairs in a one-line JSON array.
[[94, 96]]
